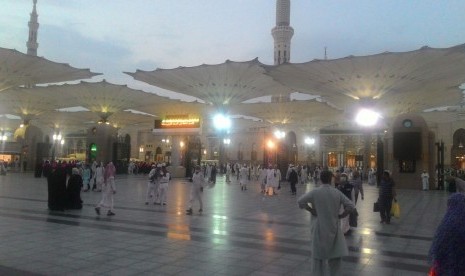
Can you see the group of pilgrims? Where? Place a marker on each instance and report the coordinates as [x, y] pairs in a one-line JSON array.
[[66, 181]]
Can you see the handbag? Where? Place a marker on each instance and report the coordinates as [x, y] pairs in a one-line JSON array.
[[376, 207], [395, 209]]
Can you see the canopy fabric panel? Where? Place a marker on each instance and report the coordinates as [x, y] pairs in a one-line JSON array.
[[220, 85], [175, 107], [415, 80], [291, 112], [29, 102], [17, 69]]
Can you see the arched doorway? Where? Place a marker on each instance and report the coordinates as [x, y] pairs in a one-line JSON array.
[[458, 149]]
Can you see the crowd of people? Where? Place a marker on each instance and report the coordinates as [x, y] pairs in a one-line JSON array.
[[332, 203]]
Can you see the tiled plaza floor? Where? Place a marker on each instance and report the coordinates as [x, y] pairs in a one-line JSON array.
[[239, 232]]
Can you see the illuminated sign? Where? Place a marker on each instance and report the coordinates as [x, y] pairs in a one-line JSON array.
[[177, 121], [93, 147], [174, 124]]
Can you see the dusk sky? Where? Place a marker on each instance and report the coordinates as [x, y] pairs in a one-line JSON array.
[[112, 36]]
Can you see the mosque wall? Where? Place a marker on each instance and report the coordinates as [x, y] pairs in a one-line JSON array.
[[410, 150]]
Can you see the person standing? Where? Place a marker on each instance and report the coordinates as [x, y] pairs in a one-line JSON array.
[[425, 180], [73, 190], [108, 190], [304, 175], [228, 173], [273, 176], [346, 187], [3, 168], [56, 181], [165, 178], [387, 193], [357, 184], [99, 177], [447, 252], [93, 170], [244, 177], [328, 242], [213, 174], [196, 190], [152, 191], [86, 172], [293, 179], [371, 177], [316, 175], [262, 179]]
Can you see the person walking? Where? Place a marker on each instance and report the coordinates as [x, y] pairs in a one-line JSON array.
[[293, 179], [425, 180], [387, 193], [357, 184], [108, 190], [447, 252], [198, 181], [328, 242]]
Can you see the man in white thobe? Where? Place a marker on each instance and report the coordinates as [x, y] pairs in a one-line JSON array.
[[196, 191], [244, 177], [273, 176], [328, 242], [425, 180]]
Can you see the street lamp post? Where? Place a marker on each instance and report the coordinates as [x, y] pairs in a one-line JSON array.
[[57, 139], [222, 124]]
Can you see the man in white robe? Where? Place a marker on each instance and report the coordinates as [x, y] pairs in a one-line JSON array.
[[328, 242], [273, 176], [425, 180]]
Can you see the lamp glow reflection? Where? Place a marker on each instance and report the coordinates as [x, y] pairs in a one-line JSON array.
[[366, 117]]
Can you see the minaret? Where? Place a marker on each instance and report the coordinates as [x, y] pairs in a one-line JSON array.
[[282, 33], [32, 44]]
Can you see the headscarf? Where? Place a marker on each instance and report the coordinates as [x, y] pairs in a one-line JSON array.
[[447, 251]]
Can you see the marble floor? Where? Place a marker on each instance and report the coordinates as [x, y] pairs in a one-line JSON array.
[[239, 232]]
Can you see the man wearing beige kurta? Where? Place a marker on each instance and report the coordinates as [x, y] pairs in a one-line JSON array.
[[328, 242]]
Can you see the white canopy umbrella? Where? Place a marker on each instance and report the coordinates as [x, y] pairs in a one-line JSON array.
[[305, 113], [220, 85], [18, 69], [394, 83]]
